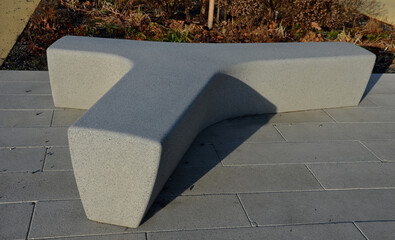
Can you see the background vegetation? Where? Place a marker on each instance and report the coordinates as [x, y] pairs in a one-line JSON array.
[[186, 20]]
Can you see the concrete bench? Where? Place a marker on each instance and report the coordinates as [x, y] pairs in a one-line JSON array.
[[147, 102]]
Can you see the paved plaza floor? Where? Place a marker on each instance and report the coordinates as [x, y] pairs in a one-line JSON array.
[[322, 174]]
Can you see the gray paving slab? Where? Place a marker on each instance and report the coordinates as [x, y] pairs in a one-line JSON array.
[[381, 83], [283, 208], [384, 149], [384, 85], [318, 231], [19, 137], [200, 155], [24, 76], [58, 158], [66, 117], [378, 230], [298, 117], [287, 152], [383, 76], [38, 186], [26, 102], [250, 130], [337, 131], [21, 159], [190, 181], [383, 100], [320, 206], [365, 102], [355, 175], [25, 118], [15, 220], [26, 88], [195, 212], [126, 236], [304, 116], [363, 114], [66, 219]]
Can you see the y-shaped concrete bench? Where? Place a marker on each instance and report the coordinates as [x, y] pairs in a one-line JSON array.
[[147, 102]]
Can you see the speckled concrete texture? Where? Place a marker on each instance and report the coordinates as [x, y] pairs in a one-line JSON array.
[[148, 101]]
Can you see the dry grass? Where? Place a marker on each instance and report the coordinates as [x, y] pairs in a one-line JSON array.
[[184, 21]]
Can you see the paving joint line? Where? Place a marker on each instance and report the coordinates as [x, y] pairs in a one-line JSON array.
[[89, 235], [38, 127], [25, 109], [329, 115], [31, 220], [253, 192], [366, 147], [249, 227], [351, 162], [23, 81], [332, 123], [304, 224], [196, 229], [375, 122], [360, 230], [217, 154], [17, 202], [367, 97], [356, 107], [43, 200], [29, 147], [307, 141], [375, 221], [52, 118], [35, 171], [261, 192], [279, 132], [360, 188], [25, 94], [370, 107], [60, 170], [17, 172], [285, 191], [311, 172], [246, 141], [45, 159], [39, 146], [301, 163], [321, 140], [252, 223], [38, 200]]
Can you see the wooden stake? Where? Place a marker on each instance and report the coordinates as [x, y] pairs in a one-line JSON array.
[[210, 14]]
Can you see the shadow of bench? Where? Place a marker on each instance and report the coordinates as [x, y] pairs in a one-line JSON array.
[[147, 102]]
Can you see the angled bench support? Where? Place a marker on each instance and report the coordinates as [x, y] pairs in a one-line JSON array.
[[147, 102]]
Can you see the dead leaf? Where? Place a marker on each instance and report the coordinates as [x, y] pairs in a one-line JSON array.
[[315, 25]]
